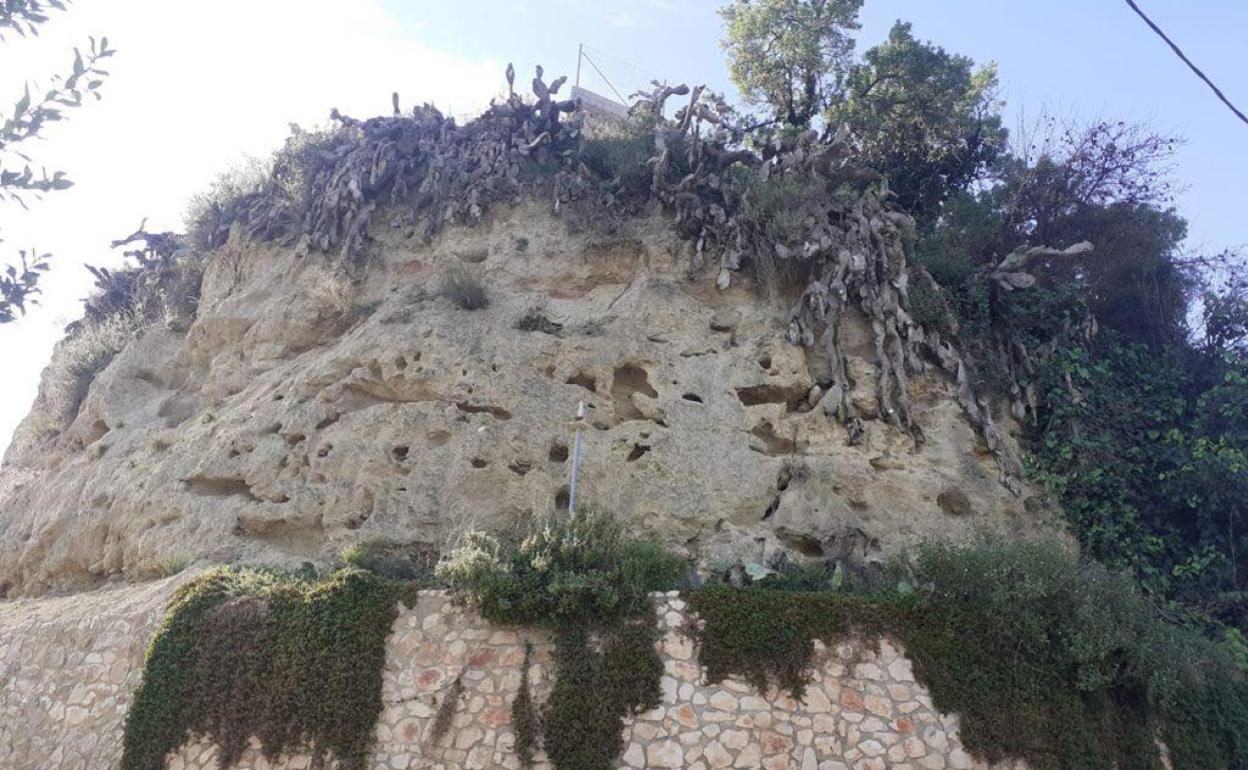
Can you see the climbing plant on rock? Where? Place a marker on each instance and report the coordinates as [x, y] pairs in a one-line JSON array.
[[295, 662], [1057, 662]]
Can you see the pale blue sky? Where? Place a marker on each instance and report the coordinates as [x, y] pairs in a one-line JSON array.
[[1090, 58], [224, 88]]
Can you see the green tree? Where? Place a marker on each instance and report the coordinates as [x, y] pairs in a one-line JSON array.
[[925, 118], [790, 56], [25, 16], [1106, 183], [1226, 312], [1137, 429], [19, 182]]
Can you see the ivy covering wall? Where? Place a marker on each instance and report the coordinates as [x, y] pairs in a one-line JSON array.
[[1045, 658], [292, 660]]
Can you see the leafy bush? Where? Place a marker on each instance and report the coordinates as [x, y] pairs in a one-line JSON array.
[[781, 207], [767, 636], [1237, 647], [929, 306], [780, 210], [303, 156], [571, 570], [1148, 454], [413, 563], [464, 289], [1030, 648], [578, 574], [208, 213], [163, 283], [85, 352], [292, 660], [255, 188], [819, 576], [172, 565], [622, 158], [534, 320], [1058, 662]]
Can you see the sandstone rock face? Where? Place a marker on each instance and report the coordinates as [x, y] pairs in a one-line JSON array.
[[302, 411]]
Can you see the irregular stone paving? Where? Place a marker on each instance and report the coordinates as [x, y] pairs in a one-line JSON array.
[[68, 668]]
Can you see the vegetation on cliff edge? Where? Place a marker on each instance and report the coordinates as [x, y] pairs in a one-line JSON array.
[[1045, 658]]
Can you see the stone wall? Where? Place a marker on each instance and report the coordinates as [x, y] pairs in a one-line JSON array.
[[68, 668]]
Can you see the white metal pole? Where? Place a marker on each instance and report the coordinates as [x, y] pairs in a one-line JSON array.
[[576, 455]]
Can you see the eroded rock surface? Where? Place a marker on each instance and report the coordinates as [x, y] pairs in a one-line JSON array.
[[302, 411]]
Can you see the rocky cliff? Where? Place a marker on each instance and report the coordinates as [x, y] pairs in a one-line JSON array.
[[301, 409]]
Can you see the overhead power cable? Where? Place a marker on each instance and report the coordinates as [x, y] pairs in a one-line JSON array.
[[1179, 52], [642, 70], [604, 78]]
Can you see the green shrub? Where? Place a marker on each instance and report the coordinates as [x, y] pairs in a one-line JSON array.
[[293, 661], [284, 181], [1237, 647], [622, 158], [85, 352], [172, 565], [464, 289], [782, 207], [1147, 452], [534, 320], [767, 636], [413, 563], [572, 569], [780, 210], [820, 576], [929, 306], [208, 213], [1030, 648], [1058, 662], [578, 574], [303, 156]]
